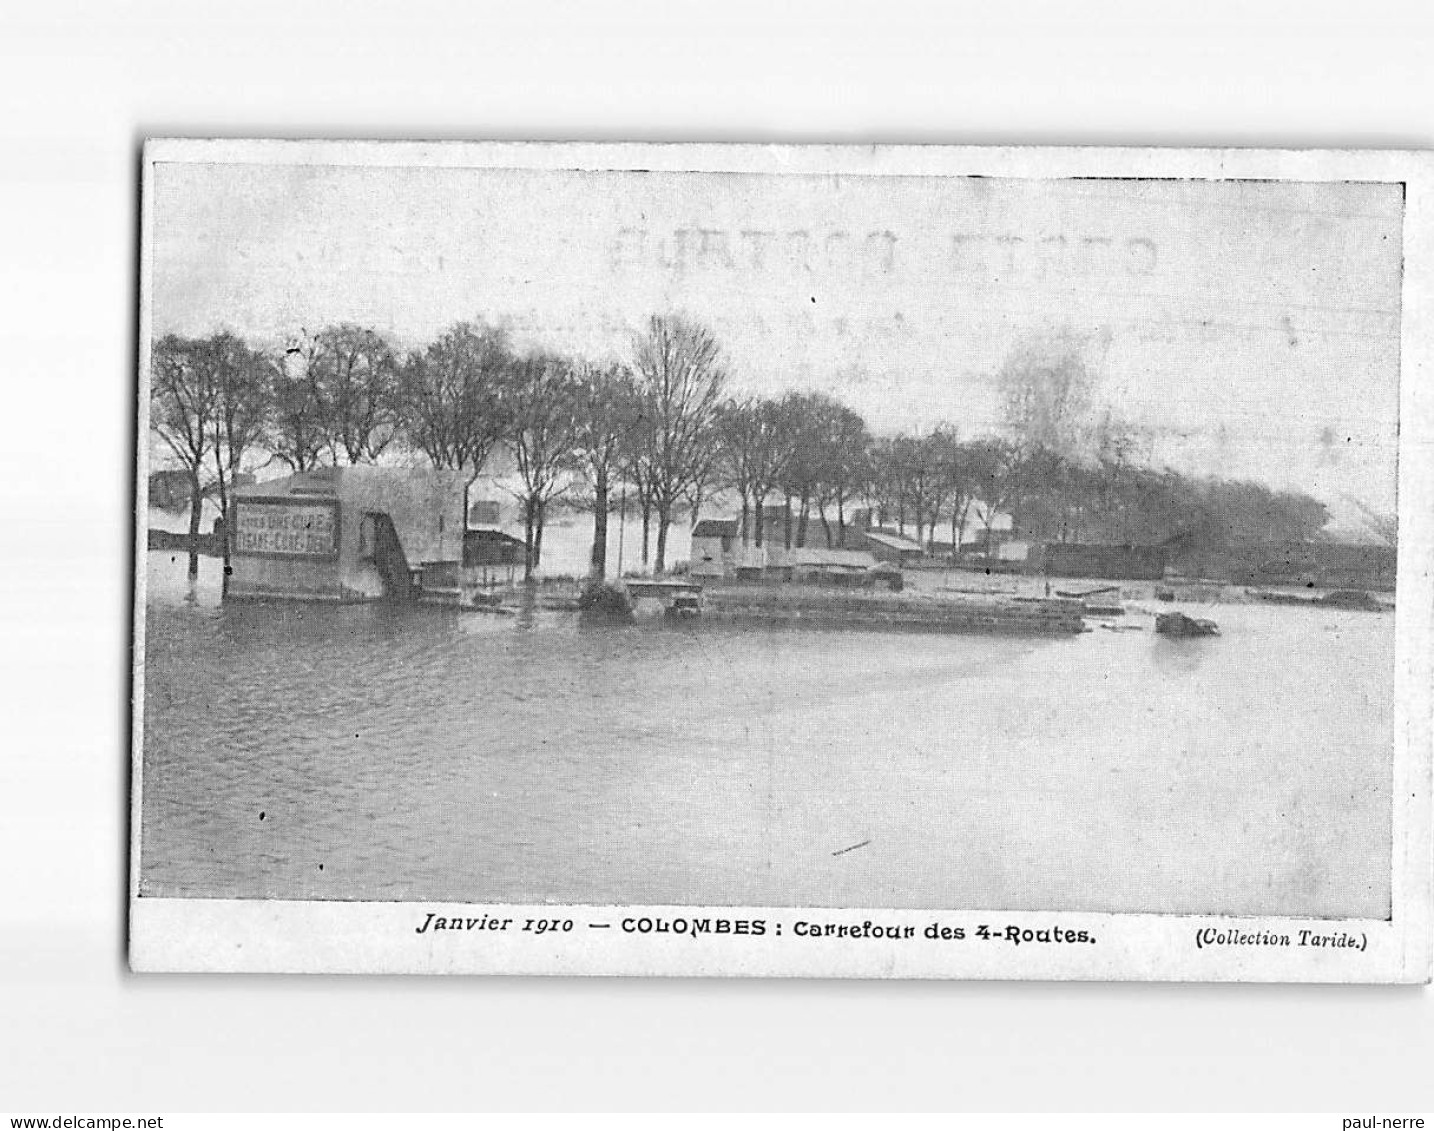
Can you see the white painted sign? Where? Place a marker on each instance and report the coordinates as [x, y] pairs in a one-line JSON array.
[[301, 530]]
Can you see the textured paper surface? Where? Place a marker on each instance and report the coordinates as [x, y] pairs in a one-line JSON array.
[[812, 804]]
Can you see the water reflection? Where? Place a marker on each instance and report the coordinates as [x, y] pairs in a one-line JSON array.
[[1180, 655]]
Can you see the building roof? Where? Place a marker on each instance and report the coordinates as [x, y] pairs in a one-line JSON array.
[[894, 542], [487, 534], [716, 528], [321, 481], [844, 559]]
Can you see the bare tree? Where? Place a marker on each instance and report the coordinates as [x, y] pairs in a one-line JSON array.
[[886, 481], [960, 465], [543, 429], [210, 400], [183, 409], [242, 380], [1047, 391], [921, 477], [997, 466], [845, 445], [356, 383], [776, 425], [607, 413], [298, 434], [809, 421], [680, 377], [736, 450], [635, 468], [453, 396]]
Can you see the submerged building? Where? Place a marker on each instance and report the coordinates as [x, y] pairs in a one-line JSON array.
[[346, 533]]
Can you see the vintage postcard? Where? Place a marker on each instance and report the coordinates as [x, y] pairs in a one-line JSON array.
[[905, 562]]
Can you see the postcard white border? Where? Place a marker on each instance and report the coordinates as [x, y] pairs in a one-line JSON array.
[[210, 935]]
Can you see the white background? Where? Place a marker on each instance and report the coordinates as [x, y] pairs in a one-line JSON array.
[[80, 84]]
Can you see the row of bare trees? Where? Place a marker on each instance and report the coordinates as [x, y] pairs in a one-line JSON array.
[[343, 396], [665, 426]]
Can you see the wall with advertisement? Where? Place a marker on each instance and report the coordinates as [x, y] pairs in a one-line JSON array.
[[285, 528]]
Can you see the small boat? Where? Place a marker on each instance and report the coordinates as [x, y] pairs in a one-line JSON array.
[[1178, 624]]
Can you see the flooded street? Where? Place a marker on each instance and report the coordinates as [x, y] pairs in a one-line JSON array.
[[373, 752]]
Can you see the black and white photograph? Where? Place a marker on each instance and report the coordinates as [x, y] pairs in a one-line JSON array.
[[639, 557], [735, 560]]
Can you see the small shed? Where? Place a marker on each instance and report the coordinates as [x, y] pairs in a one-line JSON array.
[[714, 546], [493, 554]]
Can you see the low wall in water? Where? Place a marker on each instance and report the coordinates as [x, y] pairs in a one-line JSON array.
[[800, 606]]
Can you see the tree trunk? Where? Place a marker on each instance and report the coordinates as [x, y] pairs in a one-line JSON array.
[[224, 552], [826, 526], [802, 522], [599, 555], [646, 528], [223, 518], [841, 520], [528, 541], [542, 519], [196, 508], [746, 514], [664, 520], [759, 504], [787, 521]]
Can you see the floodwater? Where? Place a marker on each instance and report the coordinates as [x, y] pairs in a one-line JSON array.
[[371, 752]]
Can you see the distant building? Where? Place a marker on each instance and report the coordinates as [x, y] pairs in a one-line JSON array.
[[350, 533], [492, 555], [484, 512], [1116, 563], [491, 548], [170, 490], [715, 550], [886, 547]]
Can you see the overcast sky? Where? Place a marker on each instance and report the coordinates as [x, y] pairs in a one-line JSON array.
[[1248, 329]]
